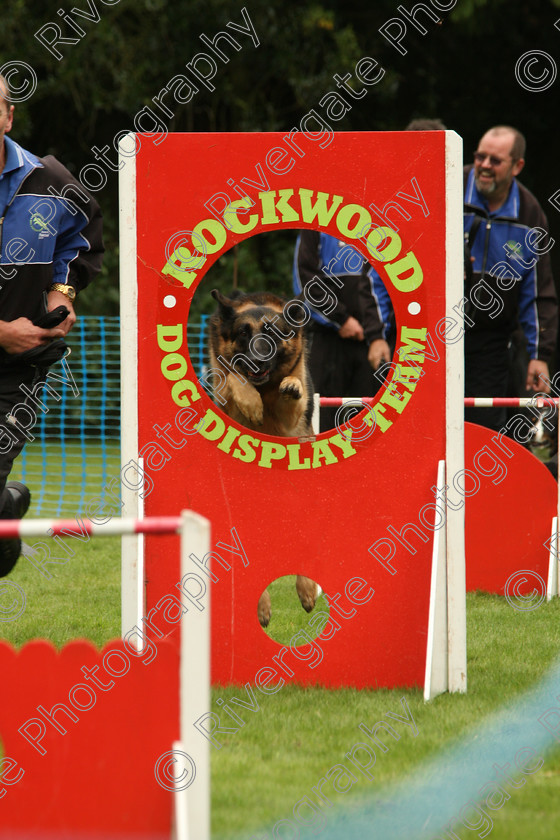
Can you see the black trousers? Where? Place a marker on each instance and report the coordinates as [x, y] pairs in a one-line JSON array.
[[12, 437], [339, 367], [486, 374]]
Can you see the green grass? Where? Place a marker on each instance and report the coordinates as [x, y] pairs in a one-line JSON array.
[[86, 468], [288, 617], [81, 600], [299, 734]]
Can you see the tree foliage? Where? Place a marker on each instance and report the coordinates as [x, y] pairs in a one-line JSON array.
[[461, 71]]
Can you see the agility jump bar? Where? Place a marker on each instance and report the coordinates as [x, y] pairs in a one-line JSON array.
[[470, 402], [67, 527], [509, 402]]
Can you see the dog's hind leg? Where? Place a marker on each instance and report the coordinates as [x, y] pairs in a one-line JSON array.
[[264, 609], [307, 591]]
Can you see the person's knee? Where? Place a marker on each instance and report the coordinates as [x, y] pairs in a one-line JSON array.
[[6, 503]]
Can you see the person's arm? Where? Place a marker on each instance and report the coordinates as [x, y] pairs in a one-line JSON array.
[[538, 315], [22, 334], [375, 306], [55, 299], [79, 249], [307, 265]]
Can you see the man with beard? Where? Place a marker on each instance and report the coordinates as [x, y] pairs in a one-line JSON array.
[[511, 283]]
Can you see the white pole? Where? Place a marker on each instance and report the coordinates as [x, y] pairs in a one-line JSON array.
[[194, 683], [181, 816], [138, 577], [455, 455], [552, 581], [436, 679], [315, 418], [129, 376]]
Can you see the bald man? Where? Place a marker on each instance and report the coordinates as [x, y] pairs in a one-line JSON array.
[[506, 232]]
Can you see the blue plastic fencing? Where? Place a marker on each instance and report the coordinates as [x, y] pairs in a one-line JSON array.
[[76, 448]]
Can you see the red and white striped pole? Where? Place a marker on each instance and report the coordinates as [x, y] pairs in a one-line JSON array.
[[67, 527], [509, 402], [470, 402]]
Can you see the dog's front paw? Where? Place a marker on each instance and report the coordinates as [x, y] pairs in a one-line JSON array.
[[248, 401], [291, 388], [252, 410]]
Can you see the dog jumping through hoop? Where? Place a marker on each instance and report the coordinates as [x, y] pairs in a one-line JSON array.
[[266, 382]]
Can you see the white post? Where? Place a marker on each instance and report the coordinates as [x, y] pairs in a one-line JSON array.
[[180, 825], [137, 577], [436, 679], [192, 805], [552, 581], [455, 446], [315, 418], [130, 573]]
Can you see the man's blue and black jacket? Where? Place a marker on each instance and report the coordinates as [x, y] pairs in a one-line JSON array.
[[506, 256], [318, 254], [50, 232]]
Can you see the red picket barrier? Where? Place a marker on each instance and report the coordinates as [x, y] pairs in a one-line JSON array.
[[97, 772]]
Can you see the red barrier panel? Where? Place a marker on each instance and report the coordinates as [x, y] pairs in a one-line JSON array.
[[98, 770], [509, 518]]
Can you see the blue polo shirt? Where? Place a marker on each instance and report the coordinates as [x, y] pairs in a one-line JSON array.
[[14, 161]]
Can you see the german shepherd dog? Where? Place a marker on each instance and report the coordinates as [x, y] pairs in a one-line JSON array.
[[250, 333]]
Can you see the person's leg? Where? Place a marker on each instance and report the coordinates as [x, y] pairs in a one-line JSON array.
[[486, 375], [326, 369], [14, 496], [355, 376], [360, 378]]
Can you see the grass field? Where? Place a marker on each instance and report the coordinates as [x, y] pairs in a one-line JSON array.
[[86, 466], [299, 734]]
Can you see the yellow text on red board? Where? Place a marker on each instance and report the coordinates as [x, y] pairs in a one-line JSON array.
[[287, 207], [293, 455]]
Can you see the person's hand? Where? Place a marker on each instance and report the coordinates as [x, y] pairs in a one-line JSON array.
[[22, 334], [378, 352], [55, 299], [352, 328], [535, 381]]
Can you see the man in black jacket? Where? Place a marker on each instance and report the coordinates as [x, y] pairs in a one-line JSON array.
[[348, 338], [50, 248], [506, 232]]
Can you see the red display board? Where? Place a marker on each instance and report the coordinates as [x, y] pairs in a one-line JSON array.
[[289, 506]]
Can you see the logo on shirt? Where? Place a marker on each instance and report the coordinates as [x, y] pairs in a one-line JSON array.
[[515, 247], [40, 225]]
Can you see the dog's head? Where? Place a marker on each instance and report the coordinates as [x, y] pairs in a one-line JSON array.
[[255, 337]]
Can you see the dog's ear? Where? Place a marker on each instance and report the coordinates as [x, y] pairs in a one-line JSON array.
[[227, 306]]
